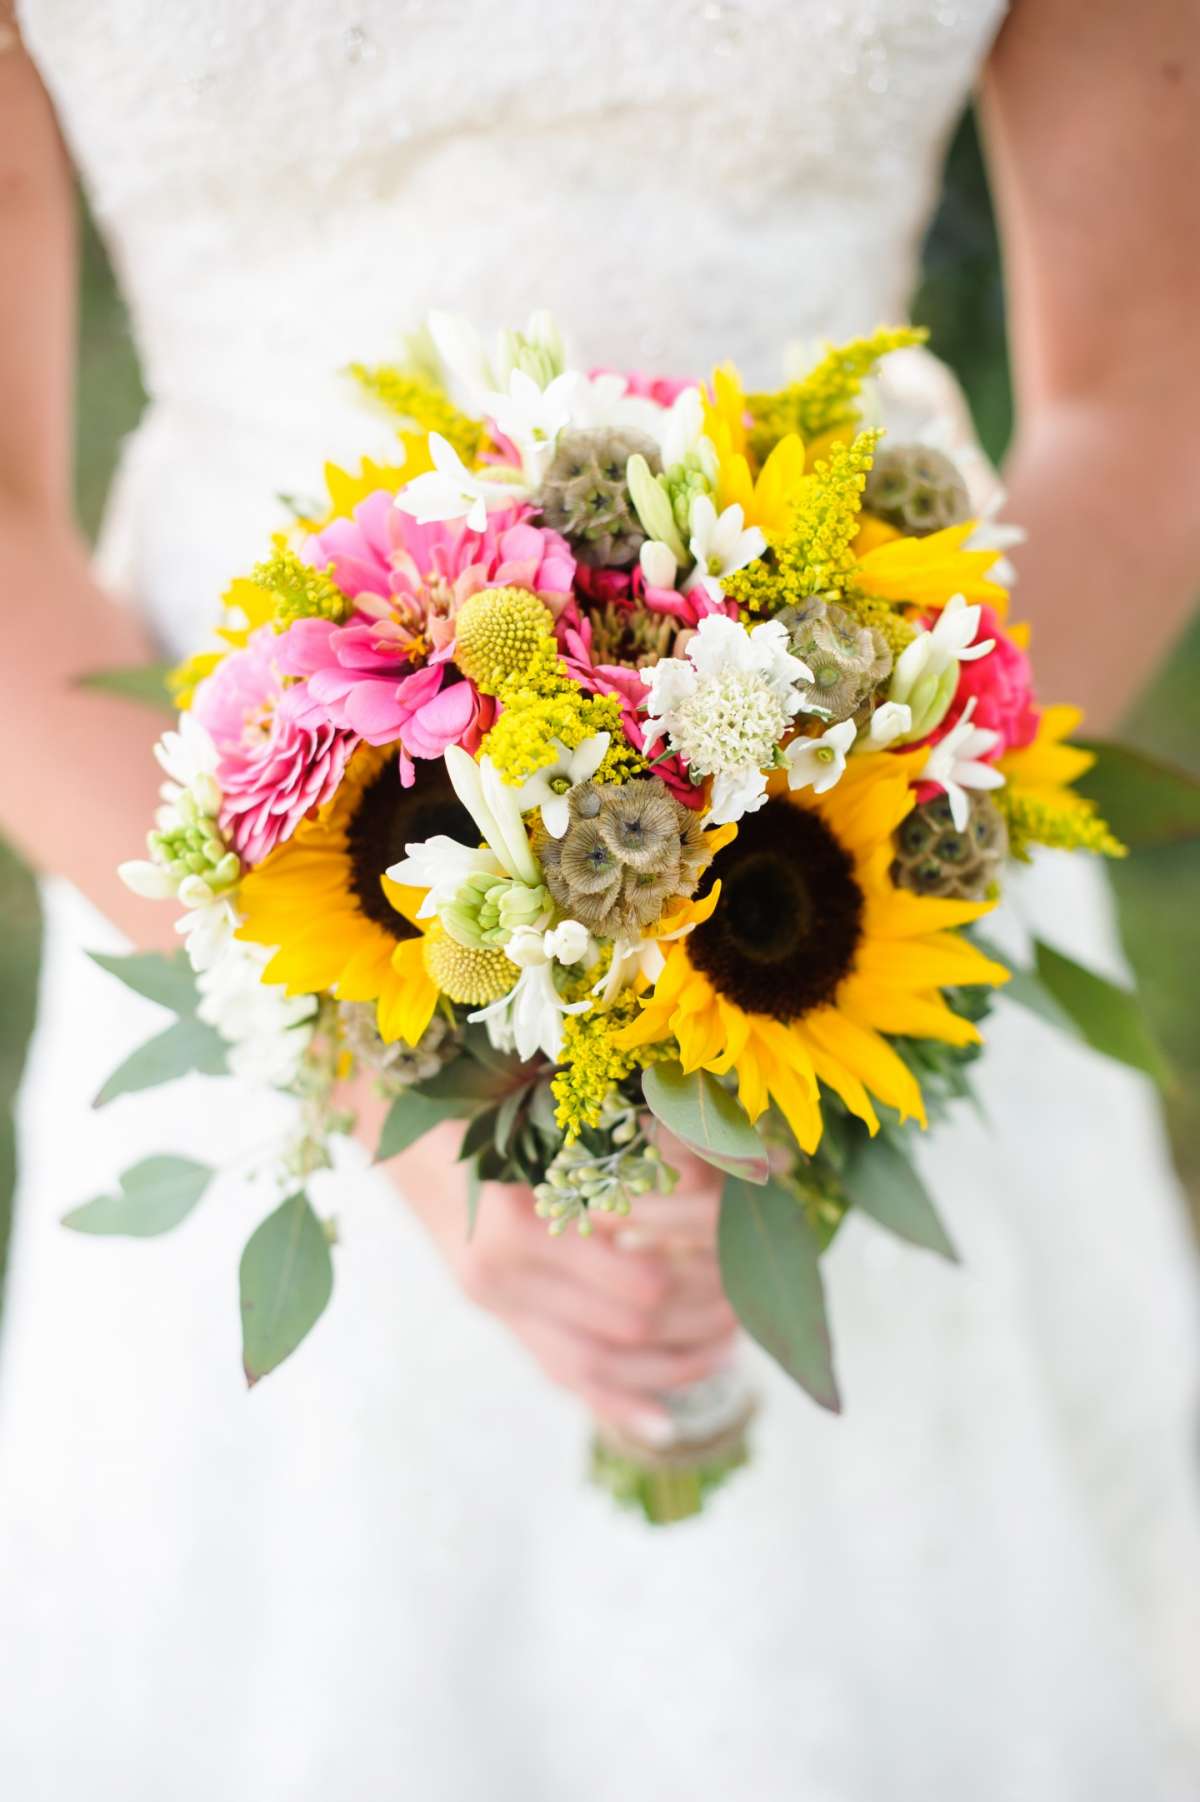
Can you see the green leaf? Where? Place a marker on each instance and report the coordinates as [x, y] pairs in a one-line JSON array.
[[1106, 1017], [286, 1279], [506, 1117], [880, 1180], [189, 1045], [706, 1117], [1146, 801], [470, 1084], [409, 1118], [155, 1196], [770, 1266], [480, 1135], [168, 980], [474, 1185], [144, 683]]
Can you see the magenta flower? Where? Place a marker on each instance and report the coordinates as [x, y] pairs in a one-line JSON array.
[[418, 576], [275, 763], [1002, 686]]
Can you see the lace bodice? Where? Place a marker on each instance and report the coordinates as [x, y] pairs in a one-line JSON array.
[[285, 187]]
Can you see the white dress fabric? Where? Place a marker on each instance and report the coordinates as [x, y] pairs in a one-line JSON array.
[[380, 1574]]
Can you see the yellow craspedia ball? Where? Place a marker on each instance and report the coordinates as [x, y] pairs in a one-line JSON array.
[[471, 977], [501, 633]]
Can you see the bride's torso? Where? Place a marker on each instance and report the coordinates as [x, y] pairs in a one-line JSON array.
[[287, 187]]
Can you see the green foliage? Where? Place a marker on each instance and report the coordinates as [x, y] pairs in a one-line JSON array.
[[770, 1266], [706, 1117], [189, 1045], [411, 1115], [1106, 1016], [155, 1196], [144, 683], [1147, 801], [880, 1181], [285, 1280], [20, 948]]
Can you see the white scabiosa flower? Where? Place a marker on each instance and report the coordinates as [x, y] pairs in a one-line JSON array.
[[954, 764], [818, 763], [725, 706]]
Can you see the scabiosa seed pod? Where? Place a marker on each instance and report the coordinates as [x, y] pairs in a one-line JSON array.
[[848, 659], [627, 852], [585, 494], [916, 489], [934, 858], [397, 1065]]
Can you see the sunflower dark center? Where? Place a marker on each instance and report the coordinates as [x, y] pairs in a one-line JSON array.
[[788, 923], [390, 817]]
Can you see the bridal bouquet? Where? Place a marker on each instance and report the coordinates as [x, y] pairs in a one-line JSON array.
[[632, 753]]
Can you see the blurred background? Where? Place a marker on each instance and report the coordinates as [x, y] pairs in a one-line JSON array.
[[961, 300]]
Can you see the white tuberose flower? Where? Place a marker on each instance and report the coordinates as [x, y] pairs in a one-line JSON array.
[[890, 721], [953, 764], [932, 654], [442, 865], [550, 789], [818, 763], [529, 1018], [533, 417], [721, 543], [452, 491], [725, 706]]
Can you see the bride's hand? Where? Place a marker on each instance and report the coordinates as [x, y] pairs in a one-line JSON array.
[[618, 1317]]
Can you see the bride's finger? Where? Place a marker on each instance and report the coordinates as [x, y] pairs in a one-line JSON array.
[[678, 1324], [582, 1361]]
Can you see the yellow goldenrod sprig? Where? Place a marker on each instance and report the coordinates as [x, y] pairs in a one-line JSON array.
[[826, 396], [414, 397], [814, 554], [299, 592], [1034, 820]]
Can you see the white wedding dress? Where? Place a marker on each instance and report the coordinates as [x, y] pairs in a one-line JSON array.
[[380, 1574]]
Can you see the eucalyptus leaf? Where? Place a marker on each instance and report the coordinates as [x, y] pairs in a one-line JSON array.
[[1109, 1018], [1145, 800], [707, 1118], [770, 1266], [155, 1195], [170, 980], [409, 1118], [188, 1045], [880, 1180], [144, 683], [285, 1279]]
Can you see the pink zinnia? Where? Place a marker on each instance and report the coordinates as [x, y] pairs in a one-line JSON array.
[[419, 576], [275, 765], [385, 676]]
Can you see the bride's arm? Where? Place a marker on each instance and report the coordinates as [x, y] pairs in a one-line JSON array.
[[1090, 111], [77, 782], [77, 787]]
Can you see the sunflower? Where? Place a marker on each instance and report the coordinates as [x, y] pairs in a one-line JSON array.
[[323, 901], [812, 955], [927, 571]]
